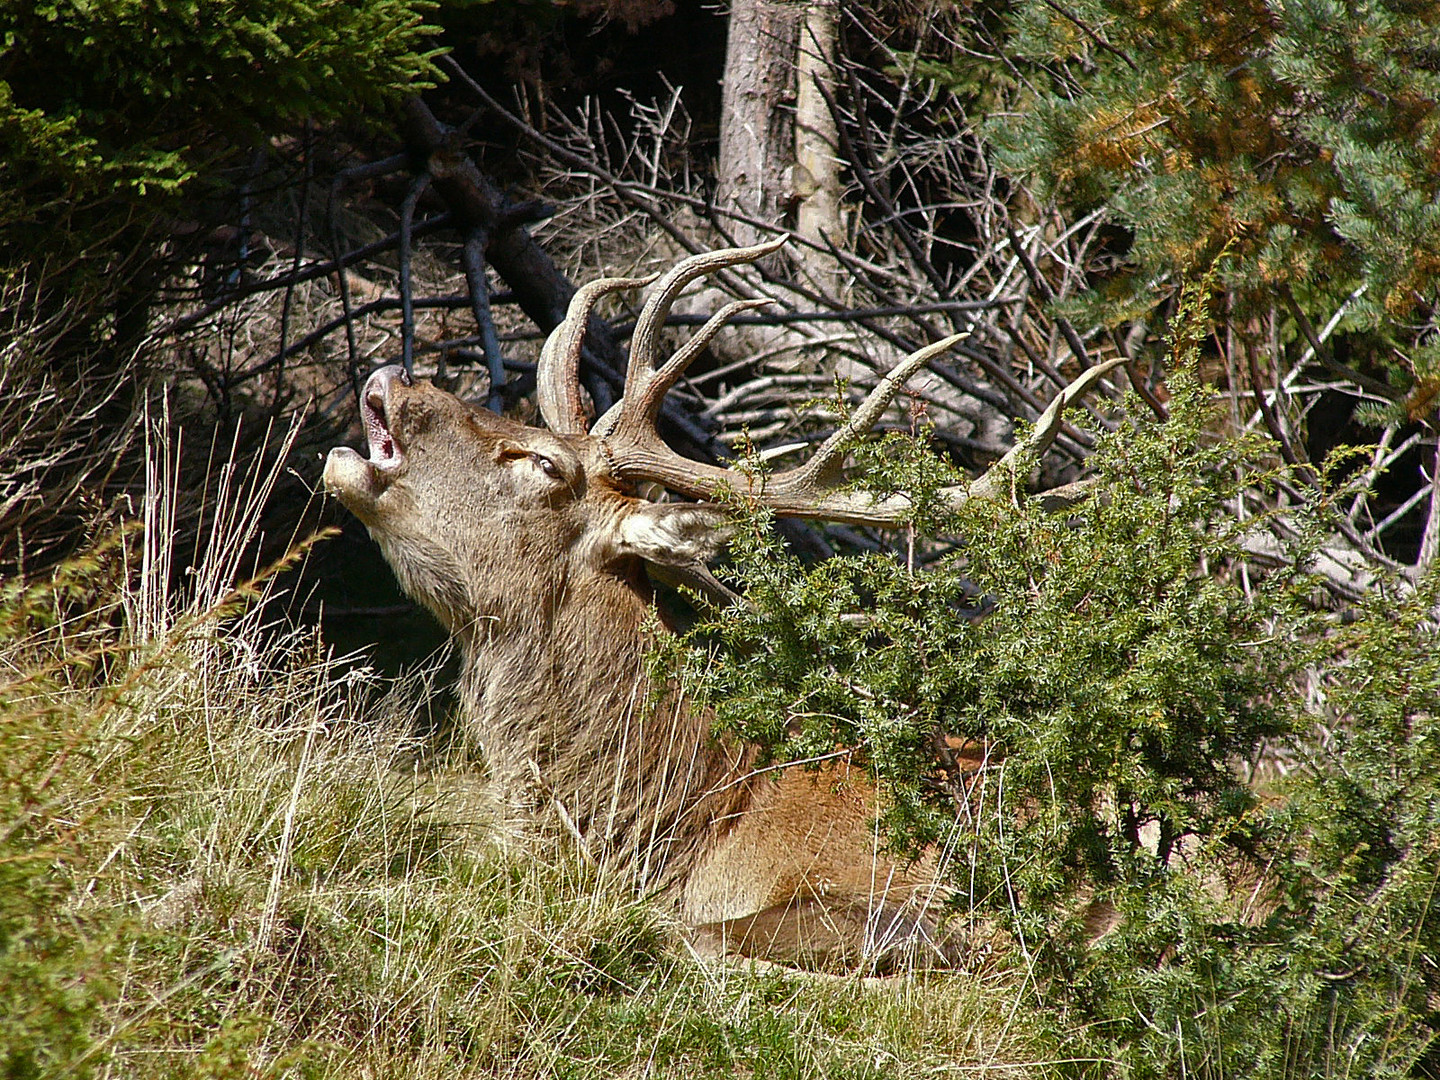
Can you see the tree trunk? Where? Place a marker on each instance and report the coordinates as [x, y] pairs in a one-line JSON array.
[[818, 217], [757, 118]]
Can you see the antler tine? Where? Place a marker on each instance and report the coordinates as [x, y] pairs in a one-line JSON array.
[[640, 407], [826, 461], [670, 372], [557, 375], [645, 341], [1047, 426], [809, 492]]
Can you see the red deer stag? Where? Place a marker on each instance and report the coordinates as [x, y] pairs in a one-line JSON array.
[[528, 545]]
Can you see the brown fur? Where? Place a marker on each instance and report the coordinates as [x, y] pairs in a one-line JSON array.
[[531, 554]]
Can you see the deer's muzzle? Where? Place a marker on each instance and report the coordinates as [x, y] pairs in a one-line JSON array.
[[356, 481]]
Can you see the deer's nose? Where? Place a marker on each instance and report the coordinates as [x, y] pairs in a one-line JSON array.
[[378, 384]]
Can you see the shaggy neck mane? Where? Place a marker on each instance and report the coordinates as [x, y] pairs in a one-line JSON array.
[[558, 695]]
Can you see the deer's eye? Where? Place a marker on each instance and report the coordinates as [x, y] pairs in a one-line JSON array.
[[547, 466]]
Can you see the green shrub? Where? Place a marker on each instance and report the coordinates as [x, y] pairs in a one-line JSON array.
[[1134, 670]]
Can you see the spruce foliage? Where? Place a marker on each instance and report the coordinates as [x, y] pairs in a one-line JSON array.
[[124, 97], [1302, 136], [118, 120]]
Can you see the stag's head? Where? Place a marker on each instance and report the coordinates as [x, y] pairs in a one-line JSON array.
[[463, 501], [469, 506]]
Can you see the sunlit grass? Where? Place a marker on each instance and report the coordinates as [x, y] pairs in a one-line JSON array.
[[223, 854]]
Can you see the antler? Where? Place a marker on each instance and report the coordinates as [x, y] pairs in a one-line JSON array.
[[811, 490], [557, 375], [645, 385]]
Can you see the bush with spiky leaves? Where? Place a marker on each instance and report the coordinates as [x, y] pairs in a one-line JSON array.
[[1132, 673]]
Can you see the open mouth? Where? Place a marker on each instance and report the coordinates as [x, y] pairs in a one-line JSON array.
[[384, 452]]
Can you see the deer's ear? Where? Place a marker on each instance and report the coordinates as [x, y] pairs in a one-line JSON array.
[[672, 534]]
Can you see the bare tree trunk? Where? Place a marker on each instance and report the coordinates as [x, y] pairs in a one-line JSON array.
[[757, 141], [818, 217]]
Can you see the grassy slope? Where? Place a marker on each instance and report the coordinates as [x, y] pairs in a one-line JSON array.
[[218, 857]]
